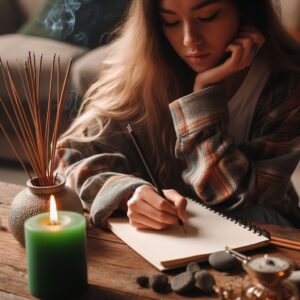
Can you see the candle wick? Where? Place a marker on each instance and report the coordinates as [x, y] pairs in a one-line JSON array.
[[53, 222]]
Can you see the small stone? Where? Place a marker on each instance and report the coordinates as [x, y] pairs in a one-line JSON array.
[[295, 278], [183, 282], [204, 281], [193, 267], [222, 261], [159, 283], [142, 281]]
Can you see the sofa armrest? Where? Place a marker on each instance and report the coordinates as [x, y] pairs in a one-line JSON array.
[[87, 68]]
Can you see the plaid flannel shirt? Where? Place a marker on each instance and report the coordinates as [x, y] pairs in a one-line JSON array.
[[221, 173]]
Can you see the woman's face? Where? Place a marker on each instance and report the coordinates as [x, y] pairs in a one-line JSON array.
[[199, 30]]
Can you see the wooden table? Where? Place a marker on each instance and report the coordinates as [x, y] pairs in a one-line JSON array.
[[112, 265]]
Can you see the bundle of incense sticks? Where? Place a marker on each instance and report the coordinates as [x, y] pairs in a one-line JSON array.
[[36, 131]]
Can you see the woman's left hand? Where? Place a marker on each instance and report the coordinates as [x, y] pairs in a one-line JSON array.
[[242, 50]]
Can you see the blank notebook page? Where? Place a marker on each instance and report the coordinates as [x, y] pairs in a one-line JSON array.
[[207, 232]]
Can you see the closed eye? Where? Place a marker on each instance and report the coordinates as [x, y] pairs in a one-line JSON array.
[[202, 19], [210, 18], [169, 24]]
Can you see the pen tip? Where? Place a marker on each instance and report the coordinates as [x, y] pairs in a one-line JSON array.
[[180, 222]]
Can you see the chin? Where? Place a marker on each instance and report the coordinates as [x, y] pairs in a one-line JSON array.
[[200, 68], [207, 65]]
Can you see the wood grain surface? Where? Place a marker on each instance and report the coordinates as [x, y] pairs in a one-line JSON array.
[[112, 265]]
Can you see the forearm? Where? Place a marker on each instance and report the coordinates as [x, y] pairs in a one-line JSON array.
[[113, 196], [102, 181], [220, 171], [104, 193]]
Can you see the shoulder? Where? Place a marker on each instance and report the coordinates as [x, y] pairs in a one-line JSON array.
[[278, 108], [282, 87]]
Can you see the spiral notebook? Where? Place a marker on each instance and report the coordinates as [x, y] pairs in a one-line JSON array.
[[208, 231]]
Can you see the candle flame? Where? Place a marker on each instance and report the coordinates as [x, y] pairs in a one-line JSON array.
[[53, 211]]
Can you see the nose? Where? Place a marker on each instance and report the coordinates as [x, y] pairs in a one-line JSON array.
[[191, 36]]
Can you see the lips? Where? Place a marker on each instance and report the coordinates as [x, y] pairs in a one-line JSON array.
[[198, 57], [197, 54]]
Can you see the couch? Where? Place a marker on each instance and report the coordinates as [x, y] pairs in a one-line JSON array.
[[290, 13], [23, 29]]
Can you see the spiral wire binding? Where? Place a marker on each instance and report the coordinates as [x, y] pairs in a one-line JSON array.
[[240, 221]]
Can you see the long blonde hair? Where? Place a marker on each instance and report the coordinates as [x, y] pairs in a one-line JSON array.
[[142, 74], [136, 84]]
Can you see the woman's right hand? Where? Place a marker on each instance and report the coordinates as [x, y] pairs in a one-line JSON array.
[[241, 58], [148, 210]]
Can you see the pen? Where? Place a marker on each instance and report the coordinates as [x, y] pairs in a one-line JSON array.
[[150, 173]]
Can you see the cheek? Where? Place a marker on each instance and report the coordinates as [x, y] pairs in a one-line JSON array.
[[231, 32], [230, 26], [173, 38], [224, 34]]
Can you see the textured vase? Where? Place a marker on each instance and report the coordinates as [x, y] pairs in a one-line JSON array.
[[34, 199]]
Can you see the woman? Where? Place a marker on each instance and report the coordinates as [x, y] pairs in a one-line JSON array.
[[216, 80]]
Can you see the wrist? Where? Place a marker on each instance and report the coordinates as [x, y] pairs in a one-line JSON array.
[[211, 77], [123, 205], [201, 84], [200, 87]]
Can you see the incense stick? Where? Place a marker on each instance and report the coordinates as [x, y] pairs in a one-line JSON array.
[[35, 139]]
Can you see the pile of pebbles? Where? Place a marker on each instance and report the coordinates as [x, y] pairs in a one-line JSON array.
[[194, 277]]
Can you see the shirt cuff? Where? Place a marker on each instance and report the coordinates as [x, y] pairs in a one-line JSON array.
[[199, 109], [111, 196]]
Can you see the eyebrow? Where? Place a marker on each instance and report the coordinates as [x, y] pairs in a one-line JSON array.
[[196, 7]]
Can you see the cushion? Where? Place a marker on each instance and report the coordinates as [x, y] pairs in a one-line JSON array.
[[85, 23], [15, 47]]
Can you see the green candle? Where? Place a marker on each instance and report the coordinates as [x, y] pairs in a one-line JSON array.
[[56, 255]]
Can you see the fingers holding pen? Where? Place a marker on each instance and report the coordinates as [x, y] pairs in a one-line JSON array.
[[179, 202], [140, 221], [146, 209], [151, 197]]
